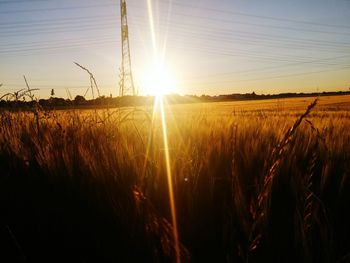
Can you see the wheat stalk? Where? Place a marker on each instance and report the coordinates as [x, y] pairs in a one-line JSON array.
[[92, 81], [260, 212]]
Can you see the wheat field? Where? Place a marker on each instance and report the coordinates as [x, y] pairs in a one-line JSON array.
[[253, 181]]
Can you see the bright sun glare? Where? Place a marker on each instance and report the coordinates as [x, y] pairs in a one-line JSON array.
[[157, 80]]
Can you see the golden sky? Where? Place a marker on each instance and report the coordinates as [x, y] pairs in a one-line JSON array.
[[189, 47]]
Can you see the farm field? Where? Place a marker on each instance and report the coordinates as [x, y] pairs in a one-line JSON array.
[[246, 181]]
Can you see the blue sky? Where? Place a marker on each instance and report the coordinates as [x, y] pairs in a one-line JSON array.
[[211, 47]]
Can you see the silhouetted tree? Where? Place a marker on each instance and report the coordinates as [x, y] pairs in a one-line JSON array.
[[79, 100]]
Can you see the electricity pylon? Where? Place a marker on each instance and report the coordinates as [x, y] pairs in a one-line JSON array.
[[126, 84]]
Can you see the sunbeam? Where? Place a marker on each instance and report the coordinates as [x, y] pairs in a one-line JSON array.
[[160, 101], [151, 25], [160, 81]]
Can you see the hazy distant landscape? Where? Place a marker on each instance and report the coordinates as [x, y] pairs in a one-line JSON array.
[[11, 102]]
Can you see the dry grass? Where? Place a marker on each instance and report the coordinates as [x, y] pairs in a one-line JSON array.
[[76, 186]]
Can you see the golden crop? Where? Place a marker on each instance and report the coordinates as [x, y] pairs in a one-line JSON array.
[[247, 188]]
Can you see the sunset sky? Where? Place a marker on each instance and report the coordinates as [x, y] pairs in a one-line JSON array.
[[210, 47]]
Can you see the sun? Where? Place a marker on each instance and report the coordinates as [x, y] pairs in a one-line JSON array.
[[156, 80]]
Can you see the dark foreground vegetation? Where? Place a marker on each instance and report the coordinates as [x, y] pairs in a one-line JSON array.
[[249, 187]]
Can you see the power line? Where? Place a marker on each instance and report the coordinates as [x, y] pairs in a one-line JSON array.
[[208, 37], [68, 20], [276, 67], [258, 16], [180, 14], [225, 54], [206, 49], [21, 1], [187, 30], [196, 83], [187, 6], [268, 38], [215, 30], [238, 35], [54, 9], [45, 22], [273, 77]]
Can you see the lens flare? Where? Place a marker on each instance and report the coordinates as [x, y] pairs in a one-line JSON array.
[[161, 77], [169, 177]]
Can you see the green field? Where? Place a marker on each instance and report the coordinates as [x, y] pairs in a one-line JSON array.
[[253, 181]]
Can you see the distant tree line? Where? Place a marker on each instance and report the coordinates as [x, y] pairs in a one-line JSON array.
[[254, 96], [103, 101]]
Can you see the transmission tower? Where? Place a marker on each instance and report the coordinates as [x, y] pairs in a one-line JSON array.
[[126, 85]]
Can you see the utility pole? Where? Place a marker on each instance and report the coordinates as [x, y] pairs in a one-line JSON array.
[[126, 84]]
